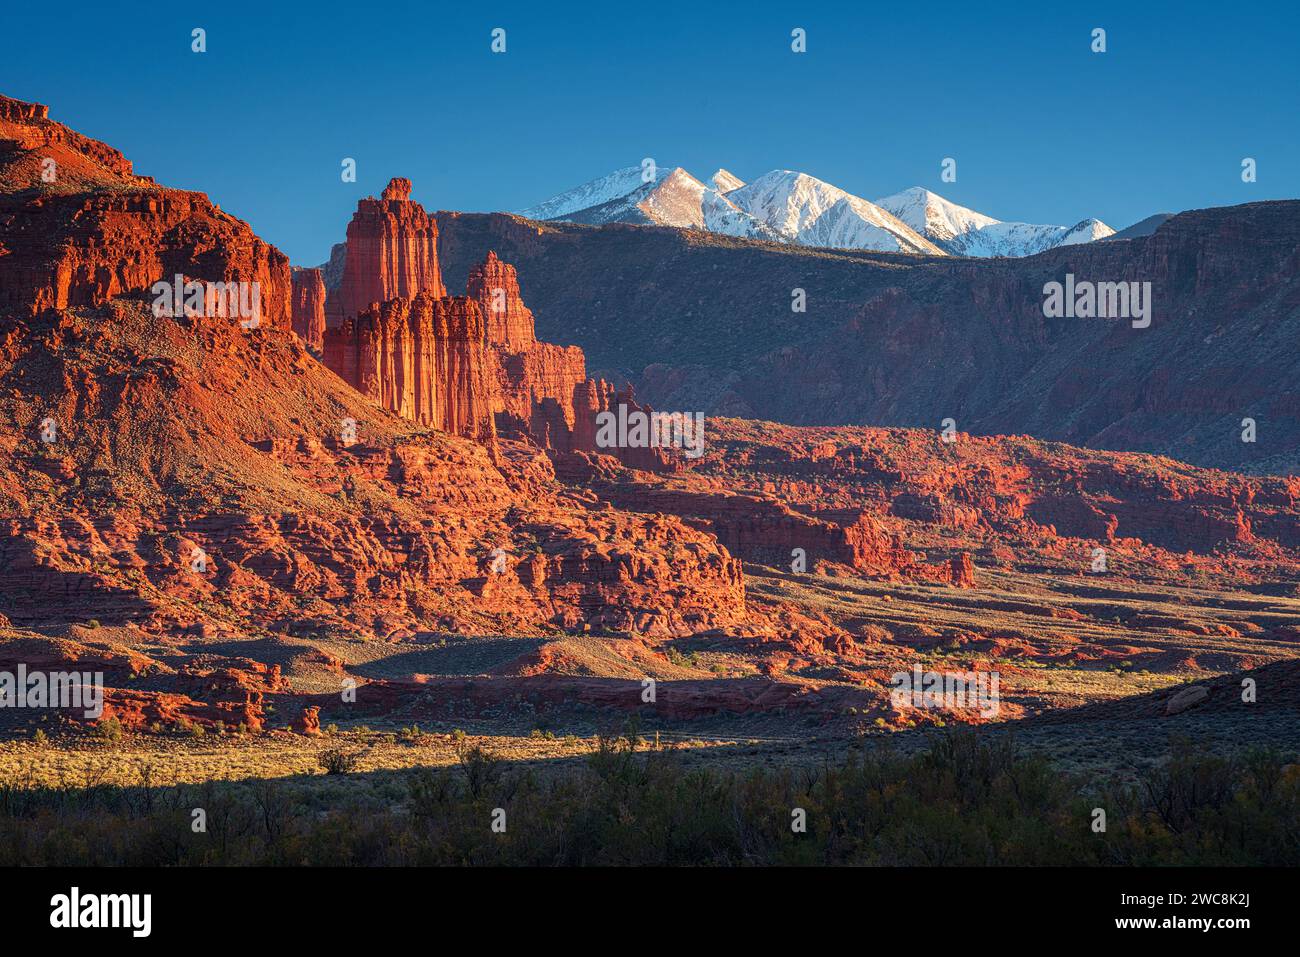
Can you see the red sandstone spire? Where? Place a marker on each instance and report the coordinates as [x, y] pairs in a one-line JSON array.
[[423, 358], [392, 252], [309, 306], [495, 285]]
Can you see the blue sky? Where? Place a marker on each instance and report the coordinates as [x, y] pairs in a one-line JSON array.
[[1043, 130]]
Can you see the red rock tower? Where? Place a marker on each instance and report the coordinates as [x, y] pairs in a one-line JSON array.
[[495, 285], [392, 252], [309, 307]]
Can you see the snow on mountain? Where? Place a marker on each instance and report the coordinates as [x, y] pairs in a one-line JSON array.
[[964, 232], [809, 212], [1025, 239], [788, 206], [682, 200], [677, 200], [1090, 230], [934, 217], [673, 198], [616, 185], [724, 181]]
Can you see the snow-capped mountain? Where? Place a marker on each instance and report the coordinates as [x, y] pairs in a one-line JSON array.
[[793, 207], [933, 216], [964, 232], [672, 198], [616, 185], [806, 211], [782, 206]]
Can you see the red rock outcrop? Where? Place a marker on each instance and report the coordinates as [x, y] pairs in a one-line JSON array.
[[144, 710], [308, 722], [1016, 489], [593, 399], [532, 380], [30, 128], [761, 528], [530, 374], [309, 307], [531, 389], [392, 252], [423, 358], [962, 570]]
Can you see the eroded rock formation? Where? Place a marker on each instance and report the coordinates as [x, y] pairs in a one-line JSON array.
[[423, 358], [309, 307], [78, 228], [531, 389], [495, 286], [392, 252]]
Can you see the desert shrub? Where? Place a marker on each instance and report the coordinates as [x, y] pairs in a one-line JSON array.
[[481, 767], [337, 761]]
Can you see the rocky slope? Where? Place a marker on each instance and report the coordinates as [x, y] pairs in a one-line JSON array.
[[192, 472]]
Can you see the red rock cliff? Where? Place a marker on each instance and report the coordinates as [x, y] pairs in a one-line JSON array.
[[423, 358], [528, 372], [78, 228]]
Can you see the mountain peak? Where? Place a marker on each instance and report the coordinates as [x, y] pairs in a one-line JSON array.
[[724, 181], [933, 216], [792, 206], [594, 192], [811, 212]]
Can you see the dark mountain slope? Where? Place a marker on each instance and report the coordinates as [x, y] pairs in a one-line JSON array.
[[702, 322]]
